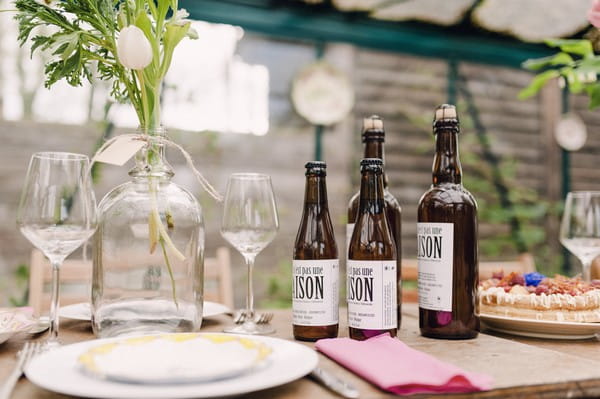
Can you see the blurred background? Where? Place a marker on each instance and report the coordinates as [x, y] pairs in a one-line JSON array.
[[228, 102]]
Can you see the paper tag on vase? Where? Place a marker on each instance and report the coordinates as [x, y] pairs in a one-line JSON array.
[[121, 150]]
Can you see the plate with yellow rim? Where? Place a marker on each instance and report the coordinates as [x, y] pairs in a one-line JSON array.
[[273, 362], [165, 359]]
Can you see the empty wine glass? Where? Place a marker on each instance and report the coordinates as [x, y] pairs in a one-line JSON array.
[[580, 227], [249, 224], [57, 213]]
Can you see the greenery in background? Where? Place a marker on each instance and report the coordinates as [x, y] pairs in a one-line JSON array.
[[279, 287], [129, 43], [576, 63], [21, 275], [528, 207]]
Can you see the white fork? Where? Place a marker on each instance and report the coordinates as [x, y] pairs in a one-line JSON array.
[[29, 350]]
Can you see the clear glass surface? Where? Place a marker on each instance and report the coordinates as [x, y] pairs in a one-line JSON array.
[[249, 224], [580, 227], [148, 254], [57, 213]]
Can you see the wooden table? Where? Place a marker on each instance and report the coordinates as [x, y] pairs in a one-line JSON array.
[[520, 366]]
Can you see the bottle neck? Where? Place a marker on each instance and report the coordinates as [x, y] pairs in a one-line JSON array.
[[151, 161], [374, 148], [316, 191], [446, 163], [371, 193]]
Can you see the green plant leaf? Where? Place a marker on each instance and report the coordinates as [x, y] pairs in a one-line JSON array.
[[537, 83], [174, 33], [143, 22], [593, 92], [553, 60], [583, 48], [575, 84]]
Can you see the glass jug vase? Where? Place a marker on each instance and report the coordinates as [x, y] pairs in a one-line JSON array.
[[148, 252]]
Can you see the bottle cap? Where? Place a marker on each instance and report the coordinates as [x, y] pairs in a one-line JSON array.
[[373, 128], [315, 167], [372, 164], [445, 117], [371, 161], [315, 164]]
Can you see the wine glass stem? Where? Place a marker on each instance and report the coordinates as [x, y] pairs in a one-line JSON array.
[[250, 296], [587, 270], [53, 334]]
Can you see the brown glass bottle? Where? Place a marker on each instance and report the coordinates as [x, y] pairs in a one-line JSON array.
[[371, 270], [447, 242], [373, 136], [315, 290]]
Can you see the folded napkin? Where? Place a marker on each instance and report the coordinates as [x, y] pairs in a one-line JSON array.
[[393, 366]]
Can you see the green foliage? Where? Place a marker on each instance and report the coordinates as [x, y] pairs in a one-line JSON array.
[[576, 63], [528, 208], [84, 37], [279, 287], [21, 275]]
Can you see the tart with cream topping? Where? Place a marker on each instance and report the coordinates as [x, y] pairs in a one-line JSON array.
[[534, 296]]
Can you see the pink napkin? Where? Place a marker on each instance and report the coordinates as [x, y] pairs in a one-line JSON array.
[[393, 366]]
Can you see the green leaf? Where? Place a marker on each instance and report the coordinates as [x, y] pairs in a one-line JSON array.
[[593, 92], [574, 82], [539, 63], [589, 65], [174, 33], [583, 48], [537, 83], [143, 22], [163, 8]]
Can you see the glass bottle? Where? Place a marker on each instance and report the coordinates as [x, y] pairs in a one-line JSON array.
[[373, 136], [316, 267], [148, 252], [447, 241], [371, 270]]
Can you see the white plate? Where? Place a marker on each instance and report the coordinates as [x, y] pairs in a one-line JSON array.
[[541, 328], [15, 321], [58, 370], [164, 358], [81, 311]]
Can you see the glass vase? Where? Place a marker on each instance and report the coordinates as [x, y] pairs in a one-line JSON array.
[[148, 252]]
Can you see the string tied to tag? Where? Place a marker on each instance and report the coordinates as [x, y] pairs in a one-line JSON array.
[[111, 152]]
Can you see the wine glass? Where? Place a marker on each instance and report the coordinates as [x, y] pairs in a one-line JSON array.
[[57, 213], [580, 227], [249, 224]]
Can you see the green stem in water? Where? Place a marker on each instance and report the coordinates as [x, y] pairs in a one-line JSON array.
[[157, 231], [173, 286]]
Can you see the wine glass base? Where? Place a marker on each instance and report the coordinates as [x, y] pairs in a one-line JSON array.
[[253, 329], [50, 345]]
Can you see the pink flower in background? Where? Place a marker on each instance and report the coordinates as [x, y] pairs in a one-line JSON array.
[[594, 13]]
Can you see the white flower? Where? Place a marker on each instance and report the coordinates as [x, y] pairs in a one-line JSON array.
[[133, 48], [180, 17]]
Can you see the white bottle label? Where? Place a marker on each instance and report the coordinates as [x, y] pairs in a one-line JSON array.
[[349, 231], [315, 292], [435, 263], [371, 294]]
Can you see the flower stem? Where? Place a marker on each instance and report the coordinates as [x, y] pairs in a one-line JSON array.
[[173, 285], [144, 100]]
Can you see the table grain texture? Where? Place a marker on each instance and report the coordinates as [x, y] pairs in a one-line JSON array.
[[521, 367]]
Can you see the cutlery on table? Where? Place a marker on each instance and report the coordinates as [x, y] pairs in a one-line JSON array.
[[334, 383], [263, 318], [29, 350]]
